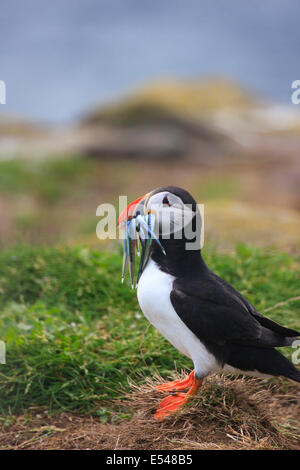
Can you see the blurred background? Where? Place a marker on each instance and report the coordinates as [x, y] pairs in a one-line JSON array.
[[111, 98]]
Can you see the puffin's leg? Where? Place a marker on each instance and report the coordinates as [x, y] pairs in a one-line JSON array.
[[177, 384], [172, 402]]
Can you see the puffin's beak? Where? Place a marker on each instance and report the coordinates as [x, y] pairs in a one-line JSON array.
[[131, 241], [139, 231], [129, 212]]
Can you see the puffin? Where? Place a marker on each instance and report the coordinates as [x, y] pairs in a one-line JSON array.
[[198, 312]]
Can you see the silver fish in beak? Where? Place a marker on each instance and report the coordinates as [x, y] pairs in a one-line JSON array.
[[139, 232]]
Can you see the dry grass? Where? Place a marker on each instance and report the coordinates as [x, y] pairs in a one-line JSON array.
[[227, 414]]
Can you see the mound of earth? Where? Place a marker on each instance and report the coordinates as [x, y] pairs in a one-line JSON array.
[[239, 413]]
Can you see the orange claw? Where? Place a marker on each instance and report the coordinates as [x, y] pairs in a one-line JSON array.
[[172, 403], [177, 385]]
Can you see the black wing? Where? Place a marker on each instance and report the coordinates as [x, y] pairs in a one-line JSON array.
[[217, 313]]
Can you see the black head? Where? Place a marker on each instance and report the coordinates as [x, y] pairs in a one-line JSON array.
[[180, 193], [179, 227]]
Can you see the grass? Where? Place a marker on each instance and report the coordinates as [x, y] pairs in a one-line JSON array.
[[47, 180], [74, 334]]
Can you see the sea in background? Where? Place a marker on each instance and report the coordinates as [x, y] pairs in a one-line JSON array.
[[59, 58]]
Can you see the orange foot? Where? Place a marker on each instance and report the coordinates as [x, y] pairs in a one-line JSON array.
[[173, 402], [177, 385], [170, 404]]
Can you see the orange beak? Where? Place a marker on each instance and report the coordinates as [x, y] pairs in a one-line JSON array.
[[130, 210]]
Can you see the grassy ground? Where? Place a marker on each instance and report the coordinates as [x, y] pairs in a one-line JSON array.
[[227, 414], [75, 334]]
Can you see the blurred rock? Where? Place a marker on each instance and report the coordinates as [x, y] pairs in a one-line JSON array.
[[213, 122], [170, 137], [142, 142]]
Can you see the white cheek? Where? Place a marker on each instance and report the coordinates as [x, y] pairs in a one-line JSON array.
[[172, 220]]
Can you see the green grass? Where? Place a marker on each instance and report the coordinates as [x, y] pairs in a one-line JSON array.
[[47, 180], [74, 333]]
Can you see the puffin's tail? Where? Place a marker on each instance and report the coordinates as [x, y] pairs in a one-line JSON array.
[[282, 366], [295, 375], [287, 368], [267, 361]]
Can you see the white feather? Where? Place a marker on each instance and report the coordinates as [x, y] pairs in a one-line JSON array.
[[153, 294]]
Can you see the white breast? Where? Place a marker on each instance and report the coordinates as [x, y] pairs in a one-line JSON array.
[[153, 294]]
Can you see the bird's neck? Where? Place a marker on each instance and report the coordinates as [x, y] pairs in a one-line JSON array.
[[179, 260]]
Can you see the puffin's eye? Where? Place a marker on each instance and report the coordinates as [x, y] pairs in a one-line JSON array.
[[166, 201]]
